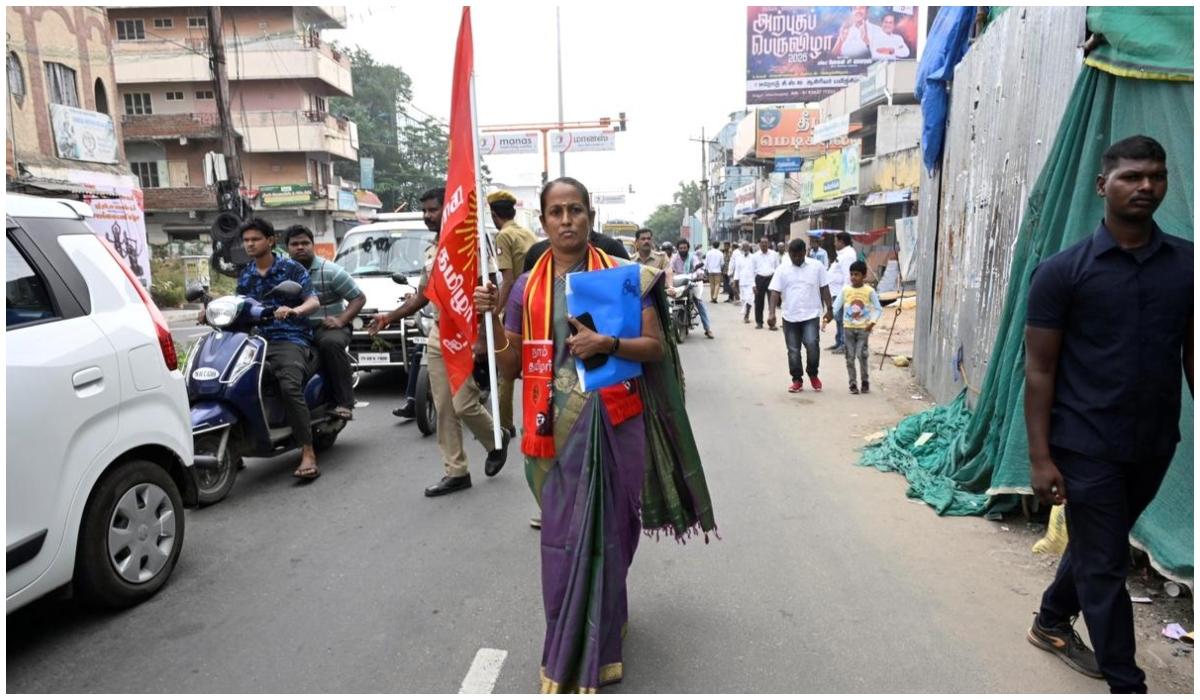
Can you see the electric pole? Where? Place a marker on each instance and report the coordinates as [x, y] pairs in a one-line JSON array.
[[703, 183], [233, 162], [562, 155]]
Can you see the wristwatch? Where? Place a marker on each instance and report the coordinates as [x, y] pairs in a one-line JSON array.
[[616, 345]]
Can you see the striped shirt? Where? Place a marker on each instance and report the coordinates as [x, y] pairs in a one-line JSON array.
[[334, 287]]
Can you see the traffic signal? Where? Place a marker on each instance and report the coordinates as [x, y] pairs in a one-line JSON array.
[[621, 119]]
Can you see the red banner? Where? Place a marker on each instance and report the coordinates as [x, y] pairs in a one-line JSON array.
[[456, 265]]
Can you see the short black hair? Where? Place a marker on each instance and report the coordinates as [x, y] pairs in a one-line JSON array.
[[1133, 148], [572, 182], [683, 241], [796, 245], [638, 234], [504, 210], [858, 266], [297, 230], [438, 193], [258, 224], [845, 238]]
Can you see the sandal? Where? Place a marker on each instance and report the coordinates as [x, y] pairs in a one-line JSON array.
[[307, 472], [344, 413]]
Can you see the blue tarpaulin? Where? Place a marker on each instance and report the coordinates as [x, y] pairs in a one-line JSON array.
[[945, 47]]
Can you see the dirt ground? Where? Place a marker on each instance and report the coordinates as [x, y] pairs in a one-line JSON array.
[[1168, 663]]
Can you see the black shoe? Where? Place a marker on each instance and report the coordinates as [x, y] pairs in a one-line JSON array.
[[1064, 642], [449, 484], [758, 326], [497, 458], [853, 388], [866, 387], [408, 410]]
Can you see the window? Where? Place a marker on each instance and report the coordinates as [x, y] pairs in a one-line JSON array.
[[204, 94], [101, 96], [16, 76], [163, 23], [197, 22], [174, 96], [60, 82], [147, 173], [138, 103], [26, 293], [131, 29]]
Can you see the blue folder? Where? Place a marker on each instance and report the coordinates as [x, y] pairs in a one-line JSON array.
[[614, 299]]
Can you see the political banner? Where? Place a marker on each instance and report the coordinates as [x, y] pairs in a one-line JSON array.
[[745, 198], [576, 141], [83, 135], [804, 54], [366, 173], [120, 220], [508, 143]]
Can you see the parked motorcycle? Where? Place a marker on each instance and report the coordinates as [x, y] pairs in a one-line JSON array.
[[687, 288], [235, 413]]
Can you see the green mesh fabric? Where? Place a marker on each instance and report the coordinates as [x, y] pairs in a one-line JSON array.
[[977, 460]]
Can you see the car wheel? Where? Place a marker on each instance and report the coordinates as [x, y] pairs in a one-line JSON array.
[[130, 537], [426, 411], [215, 484]]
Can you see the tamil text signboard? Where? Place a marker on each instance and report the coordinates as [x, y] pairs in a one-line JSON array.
[[83, 135], [804, 54], [508, 143], [786, 132], [745, 199], [285, 195], [577, 141]]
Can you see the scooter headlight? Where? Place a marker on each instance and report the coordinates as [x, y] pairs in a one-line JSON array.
[[221, 312], [358, 324], [244, 362]]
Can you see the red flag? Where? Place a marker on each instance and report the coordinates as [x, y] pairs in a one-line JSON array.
[[456, 265]]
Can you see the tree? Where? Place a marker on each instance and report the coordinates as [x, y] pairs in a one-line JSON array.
[[667, 219]]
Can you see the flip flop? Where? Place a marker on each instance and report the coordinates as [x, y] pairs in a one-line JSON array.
[[309, 474]]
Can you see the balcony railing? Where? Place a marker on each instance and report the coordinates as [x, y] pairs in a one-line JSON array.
[[152, 127], [299, 130]]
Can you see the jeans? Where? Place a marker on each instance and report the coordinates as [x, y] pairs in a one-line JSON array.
[[335, 364], [701, 310], [761, 282], [857, 349], [1104, 500], [807, 334], [839, 340], [291, 365]]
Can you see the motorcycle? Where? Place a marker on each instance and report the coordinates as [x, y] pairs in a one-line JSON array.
[[235, 414], [686, 288]]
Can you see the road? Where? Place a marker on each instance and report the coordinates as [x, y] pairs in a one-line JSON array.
[[825, 578]]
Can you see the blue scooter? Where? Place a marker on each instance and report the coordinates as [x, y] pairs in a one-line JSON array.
[[235, 414]]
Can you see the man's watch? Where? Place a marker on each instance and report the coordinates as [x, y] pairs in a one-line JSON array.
[[616, 345]]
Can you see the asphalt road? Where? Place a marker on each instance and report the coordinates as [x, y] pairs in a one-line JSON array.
[[825, 578]]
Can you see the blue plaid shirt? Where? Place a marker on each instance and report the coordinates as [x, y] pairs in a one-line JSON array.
[[252, 284]]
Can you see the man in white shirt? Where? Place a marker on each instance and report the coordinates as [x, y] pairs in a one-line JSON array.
[[714, 263], [685, 262], [839, 276], [886, 44], [801, 287], [763, 262], [744, 279]]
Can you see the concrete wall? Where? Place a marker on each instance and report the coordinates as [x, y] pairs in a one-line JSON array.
[[898, 128], [1007, 100]]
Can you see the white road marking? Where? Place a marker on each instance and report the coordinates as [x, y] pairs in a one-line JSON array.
[[485, 670]]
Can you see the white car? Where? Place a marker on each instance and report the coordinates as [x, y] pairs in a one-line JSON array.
[[99, 456]]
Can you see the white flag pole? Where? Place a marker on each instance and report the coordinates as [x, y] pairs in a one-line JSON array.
[[484, 264]]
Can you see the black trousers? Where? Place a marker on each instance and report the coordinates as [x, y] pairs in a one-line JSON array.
[[335, 364], [292, 365], [1104, 500], [760, 296]]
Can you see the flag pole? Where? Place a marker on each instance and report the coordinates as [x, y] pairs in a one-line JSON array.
[[484, 265]]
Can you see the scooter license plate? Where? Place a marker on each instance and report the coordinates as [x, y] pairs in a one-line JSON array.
[[374, 358], [419, 340]]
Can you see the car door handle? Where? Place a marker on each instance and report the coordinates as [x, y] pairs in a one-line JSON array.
[[87, 377]]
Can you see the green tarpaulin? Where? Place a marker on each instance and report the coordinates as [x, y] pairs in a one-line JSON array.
[[978, 460]]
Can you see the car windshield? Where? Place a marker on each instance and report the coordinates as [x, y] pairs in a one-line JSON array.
[[385, 252]]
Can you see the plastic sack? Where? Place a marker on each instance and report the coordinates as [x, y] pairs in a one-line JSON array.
[[1055, 541]]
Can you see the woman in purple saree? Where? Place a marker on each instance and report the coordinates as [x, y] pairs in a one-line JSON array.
[[598, 460]]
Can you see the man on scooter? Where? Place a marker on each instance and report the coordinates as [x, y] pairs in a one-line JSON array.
[[289, 339], [340, 300]]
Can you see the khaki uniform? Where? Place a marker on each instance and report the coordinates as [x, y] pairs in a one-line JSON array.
[[658, 260], [512, 243]]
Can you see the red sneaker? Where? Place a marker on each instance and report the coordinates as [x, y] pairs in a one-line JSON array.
[[796, 388], [816, 383]]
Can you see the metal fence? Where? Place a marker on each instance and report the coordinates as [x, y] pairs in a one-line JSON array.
[[1008, 96]]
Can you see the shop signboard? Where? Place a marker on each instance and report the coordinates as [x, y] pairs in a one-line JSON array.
[[835, 174], [285, 195], [790, 164], [502, 144], [786, 132], [797, 54], [577, 141], [745, 199], [83, 135], [366, 173]]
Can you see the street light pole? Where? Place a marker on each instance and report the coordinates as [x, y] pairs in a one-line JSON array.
[[562, 155]]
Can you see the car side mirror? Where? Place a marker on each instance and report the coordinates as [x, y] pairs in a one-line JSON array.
[[399, 278], [286, 289], [195, 292]]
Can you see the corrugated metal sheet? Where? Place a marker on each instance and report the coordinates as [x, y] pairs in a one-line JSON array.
[[1008, 96]]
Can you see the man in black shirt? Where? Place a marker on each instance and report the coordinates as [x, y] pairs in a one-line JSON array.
[[1108, 335]]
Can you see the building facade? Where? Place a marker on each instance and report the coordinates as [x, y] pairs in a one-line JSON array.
[[281, 75]]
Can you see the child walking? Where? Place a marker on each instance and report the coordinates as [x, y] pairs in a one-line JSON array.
[[859, 308]]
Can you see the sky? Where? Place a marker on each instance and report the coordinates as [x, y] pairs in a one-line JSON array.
[[671, 68]]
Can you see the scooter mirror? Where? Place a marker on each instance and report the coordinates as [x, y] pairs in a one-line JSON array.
[[285, 289], [194, 292], [399, 278]]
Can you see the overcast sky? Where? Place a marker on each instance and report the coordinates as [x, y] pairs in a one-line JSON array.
[[671, 67]]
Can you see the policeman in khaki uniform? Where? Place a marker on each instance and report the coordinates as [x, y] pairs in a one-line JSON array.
[[512, 243]]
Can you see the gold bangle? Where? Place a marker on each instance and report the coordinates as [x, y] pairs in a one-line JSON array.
[[507, 345]]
